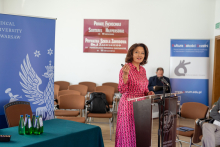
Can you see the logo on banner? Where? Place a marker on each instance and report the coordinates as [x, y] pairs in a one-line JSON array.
[[12, 97], [181, 65], [168, 121], [31, 82]]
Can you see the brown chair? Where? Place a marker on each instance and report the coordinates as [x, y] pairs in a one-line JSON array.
[[63, 84], [197, 136], [105, 88], [115, 99], [70, 92], [81, 88], [70, 101], [115, 85], [56, 90], [109, 98], [63, 92], [191, 110], [76, 119], [13, 111], [91, 85]]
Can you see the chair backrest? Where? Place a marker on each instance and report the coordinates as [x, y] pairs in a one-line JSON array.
[[109, 96], [71, 101], [81, 88], [13, 111], [115, 85], [91, 85], [193, 110], [56, 90], [105, 88], [63, 84], [63, 92]]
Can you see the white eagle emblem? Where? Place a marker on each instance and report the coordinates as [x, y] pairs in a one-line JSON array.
[[31, 83]]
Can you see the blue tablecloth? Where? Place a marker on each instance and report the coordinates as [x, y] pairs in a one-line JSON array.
[[57, 133]]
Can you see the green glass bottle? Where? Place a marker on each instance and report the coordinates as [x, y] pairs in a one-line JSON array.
[[41, 124], [37, 126], [28, 126], [32, 121], [25, 119], [21, 127]]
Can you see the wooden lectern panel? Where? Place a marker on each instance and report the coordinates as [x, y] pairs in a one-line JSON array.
[[170, 121], [143, 119]]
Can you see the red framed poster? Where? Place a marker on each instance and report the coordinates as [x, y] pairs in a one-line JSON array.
[[105, 36]]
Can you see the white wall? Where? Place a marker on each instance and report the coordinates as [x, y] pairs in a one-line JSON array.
[[1, 6], [217, 16], [151, 22]]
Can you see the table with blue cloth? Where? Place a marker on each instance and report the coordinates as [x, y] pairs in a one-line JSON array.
[[57, 133]]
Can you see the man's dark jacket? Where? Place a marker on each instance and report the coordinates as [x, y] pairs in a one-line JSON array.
[[154, 81]]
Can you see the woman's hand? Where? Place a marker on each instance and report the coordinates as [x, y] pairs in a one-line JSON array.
[[125, 69], [151, 93]]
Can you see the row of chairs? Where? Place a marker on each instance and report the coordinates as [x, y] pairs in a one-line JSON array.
[[73, 97], [87, 87], [64, 85]]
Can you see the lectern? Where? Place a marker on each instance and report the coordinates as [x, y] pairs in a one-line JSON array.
[[143, 119]]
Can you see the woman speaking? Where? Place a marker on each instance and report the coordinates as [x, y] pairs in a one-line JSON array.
[[132, 83]]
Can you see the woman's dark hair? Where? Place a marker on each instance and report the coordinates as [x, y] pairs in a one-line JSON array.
[[129, 57]]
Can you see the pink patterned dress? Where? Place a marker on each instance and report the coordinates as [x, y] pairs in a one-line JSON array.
[[136, 86]]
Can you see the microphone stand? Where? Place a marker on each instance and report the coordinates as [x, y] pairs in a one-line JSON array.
[[161, 103]]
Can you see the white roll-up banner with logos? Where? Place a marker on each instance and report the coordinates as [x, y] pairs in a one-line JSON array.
[[189, 69]]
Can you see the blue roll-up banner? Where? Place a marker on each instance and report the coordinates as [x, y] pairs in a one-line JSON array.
[[27, 63], [189, 68]]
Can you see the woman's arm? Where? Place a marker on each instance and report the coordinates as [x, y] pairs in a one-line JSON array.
[[124, 79]]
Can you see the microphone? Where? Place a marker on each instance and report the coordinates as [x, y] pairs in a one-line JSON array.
[[163, 81]]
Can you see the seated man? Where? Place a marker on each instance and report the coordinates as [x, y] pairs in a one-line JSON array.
[[211, 132], [154, 81]]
